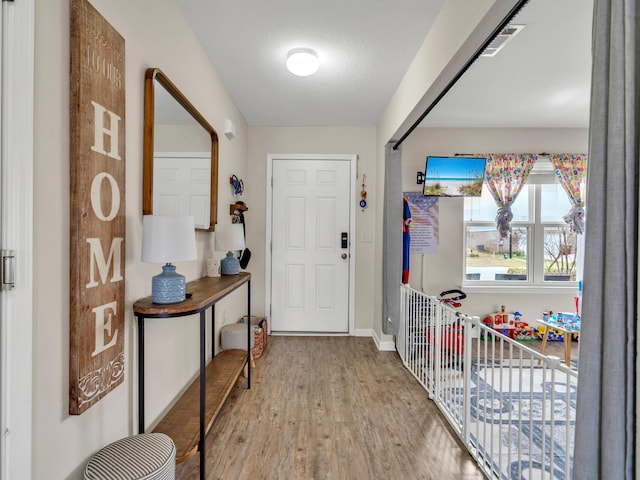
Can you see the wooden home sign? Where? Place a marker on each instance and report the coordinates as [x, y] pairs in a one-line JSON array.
[[97, 114]]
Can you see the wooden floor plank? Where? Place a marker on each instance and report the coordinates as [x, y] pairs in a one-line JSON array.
[[331, 407]]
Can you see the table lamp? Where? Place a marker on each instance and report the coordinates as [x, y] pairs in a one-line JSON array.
[[229, 236], [165, 240]]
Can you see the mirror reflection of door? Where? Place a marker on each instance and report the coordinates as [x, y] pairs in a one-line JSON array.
[[181, 183], [180, 155], [182, 162]]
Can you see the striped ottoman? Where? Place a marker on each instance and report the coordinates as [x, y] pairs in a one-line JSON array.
[[150, 456]]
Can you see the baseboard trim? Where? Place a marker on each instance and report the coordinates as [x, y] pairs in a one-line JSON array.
[[364, 332], [388, 346]]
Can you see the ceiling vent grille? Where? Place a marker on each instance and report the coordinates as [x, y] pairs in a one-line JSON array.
[[504, 37]]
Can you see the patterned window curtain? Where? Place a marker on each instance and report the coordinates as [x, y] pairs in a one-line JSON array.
[[571, 170], [505, 175]]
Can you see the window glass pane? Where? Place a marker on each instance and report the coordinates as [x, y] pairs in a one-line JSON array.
[[484, 209], [554, 203], [559, 254], [490, 258]]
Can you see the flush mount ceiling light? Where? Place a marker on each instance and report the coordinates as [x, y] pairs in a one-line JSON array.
[[302, 62]]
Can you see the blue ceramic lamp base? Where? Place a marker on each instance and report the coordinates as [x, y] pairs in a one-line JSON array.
[[229, 265], [168, 286]]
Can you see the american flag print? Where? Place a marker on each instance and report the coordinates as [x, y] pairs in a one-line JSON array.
[[426, 219]]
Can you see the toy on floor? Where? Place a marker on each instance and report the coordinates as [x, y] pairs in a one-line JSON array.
[[569, 321], [522, 331], [509, 324]]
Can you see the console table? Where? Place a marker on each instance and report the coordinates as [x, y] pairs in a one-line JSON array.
[[184, 423]]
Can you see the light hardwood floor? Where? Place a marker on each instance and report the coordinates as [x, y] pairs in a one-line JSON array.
[[331, 407]]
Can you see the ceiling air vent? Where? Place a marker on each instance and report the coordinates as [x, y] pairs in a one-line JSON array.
[[504, 37]]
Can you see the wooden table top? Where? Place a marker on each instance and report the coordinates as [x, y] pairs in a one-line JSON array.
[[204, 292]]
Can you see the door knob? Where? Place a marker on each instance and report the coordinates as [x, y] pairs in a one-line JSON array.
[[344, 256]]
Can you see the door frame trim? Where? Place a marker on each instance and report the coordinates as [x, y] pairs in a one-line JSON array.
[[353, 169], [16, 310]]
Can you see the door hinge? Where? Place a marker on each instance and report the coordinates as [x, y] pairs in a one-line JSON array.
[[8, 269]]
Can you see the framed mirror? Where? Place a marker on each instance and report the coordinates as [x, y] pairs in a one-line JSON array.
[[180, 159]]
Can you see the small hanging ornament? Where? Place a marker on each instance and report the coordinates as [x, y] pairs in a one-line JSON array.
[[237, 185], [363, 194]]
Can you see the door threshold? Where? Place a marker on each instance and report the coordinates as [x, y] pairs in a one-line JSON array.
[[309, 334]]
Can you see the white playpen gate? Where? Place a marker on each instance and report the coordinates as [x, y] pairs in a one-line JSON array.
[[513, 408]]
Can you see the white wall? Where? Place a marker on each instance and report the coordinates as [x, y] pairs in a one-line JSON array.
[[155, 36], [338, 140], [443, 270]]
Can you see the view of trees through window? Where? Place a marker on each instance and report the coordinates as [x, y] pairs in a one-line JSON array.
[[559, 253]]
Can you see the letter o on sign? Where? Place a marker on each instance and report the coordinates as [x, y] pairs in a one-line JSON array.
[[96, 190]]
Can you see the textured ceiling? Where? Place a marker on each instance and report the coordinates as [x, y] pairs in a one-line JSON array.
[[364, 46], [540, 79]]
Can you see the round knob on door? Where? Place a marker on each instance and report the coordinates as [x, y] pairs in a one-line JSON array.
[[344, 256]]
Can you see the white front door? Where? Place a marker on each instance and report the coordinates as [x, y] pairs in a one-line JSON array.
[[310, 246]]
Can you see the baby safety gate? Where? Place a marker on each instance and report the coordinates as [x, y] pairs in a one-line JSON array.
[[513, 408]]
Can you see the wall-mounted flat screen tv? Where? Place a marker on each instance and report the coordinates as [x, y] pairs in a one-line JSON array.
[[453, 176]]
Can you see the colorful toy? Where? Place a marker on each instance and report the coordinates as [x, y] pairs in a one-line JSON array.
[[501, 318], [568, 321], [523, 332], [554, 335], [509, 324]]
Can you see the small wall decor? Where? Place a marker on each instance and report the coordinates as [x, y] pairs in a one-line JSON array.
[[237, 185], [97, 174], [363, 193]]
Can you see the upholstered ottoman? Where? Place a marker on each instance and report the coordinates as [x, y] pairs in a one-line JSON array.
[[149, 456], [234, 336]]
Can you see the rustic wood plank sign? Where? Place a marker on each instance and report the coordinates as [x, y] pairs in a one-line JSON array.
[[97, 120]]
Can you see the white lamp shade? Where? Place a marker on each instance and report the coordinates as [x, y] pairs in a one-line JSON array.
[[229, 236], [168, 239]]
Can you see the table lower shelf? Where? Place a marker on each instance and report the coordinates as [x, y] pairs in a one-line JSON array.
[[182, 422]]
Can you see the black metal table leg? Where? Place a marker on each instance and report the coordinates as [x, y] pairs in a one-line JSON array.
[[203, 453], [213, 330], [140, 374]]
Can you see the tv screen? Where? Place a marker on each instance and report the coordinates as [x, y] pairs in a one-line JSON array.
[[453, 176]]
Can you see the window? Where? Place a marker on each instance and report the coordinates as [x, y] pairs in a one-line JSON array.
[[541, 249]]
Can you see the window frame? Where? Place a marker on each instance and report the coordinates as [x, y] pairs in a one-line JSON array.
[[535, 252]]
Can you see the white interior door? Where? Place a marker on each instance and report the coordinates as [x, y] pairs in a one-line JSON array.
[[16, 233], [309, 261]]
